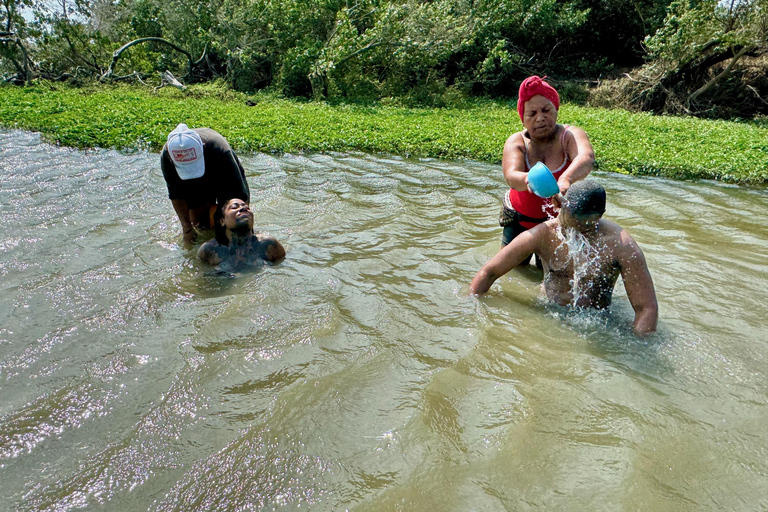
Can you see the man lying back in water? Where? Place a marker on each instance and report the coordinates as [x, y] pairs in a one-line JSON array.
[[235, 242], [583, 256]]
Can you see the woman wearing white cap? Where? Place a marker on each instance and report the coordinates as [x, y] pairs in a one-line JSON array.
[[201, 171]]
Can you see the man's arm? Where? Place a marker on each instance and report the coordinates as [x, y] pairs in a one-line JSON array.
[[513, 163], [182, 212], [517, 251], [582, 157], [180, 206], [639, 285]]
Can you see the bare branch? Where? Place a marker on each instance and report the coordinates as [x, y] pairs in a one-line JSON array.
[[719, 77], [757, 94], [201, 59], [119, 51], [167, 78]]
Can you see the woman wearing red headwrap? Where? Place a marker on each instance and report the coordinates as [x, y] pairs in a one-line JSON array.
[[565, 150]]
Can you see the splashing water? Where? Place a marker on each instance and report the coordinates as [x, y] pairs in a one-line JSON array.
[[549, 209], [584, 257]]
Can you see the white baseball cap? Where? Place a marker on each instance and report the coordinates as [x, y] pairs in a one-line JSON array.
[[186, 150]]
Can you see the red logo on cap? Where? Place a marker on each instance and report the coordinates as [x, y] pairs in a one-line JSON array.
[[184, 156]]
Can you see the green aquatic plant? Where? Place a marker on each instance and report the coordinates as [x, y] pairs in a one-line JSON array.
[[625, 142]]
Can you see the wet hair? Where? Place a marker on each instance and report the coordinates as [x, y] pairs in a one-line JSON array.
[[586, 197], [218, 229]]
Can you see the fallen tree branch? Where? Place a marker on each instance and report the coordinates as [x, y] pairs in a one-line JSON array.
[[138, 77], [203, 57], [167, 78], [116, 55], [701, 90], [757, 94]]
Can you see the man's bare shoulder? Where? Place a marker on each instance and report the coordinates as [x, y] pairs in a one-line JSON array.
[[268, 247], [608, 227], [620, 239], [619, 232], [545, 237], [548, 228], [210, 252]]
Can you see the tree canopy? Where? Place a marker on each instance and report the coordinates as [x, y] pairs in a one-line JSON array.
[[423, 51]]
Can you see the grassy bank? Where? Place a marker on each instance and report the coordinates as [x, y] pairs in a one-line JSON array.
[[127, 118]]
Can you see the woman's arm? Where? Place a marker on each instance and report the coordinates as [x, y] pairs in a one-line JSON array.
[[582, 155], [513, 162]]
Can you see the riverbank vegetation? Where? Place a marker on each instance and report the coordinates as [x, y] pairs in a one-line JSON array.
[[704, 58], [129, 118]]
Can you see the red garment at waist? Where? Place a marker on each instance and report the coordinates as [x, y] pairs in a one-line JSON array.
[[533, 206]]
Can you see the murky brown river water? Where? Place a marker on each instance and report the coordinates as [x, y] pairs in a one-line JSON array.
[[359, 374]]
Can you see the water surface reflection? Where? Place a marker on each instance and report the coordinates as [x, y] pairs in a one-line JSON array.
[[358, 373]]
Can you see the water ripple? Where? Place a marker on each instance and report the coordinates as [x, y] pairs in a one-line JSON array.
[[358, 372]]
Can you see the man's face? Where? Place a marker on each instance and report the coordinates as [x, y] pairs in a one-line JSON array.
[[539, 117], [237, 214], [581, 223]]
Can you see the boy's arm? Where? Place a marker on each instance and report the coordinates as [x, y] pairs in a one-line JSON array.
[[517, 251], [639, 285]]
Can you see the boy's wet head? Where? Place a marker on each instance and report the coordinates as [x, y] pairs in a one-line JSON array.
[[585, 198]]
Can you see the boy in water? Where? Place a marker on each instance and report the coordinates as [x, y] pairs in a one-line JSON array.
[[236, 243], [581, 276]]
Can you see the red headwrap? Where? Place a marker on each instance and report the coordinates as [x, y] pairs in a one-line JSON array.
[[532, 86]]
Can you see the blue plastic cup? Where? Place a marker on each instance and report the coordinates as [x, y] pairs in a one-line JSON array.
[[541, 181]]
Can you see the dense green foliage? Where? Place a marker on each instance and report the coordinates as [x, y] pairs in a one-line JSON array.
[[699, 57], [692, 27], [624, 142], [334, 49], [709, 59]]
